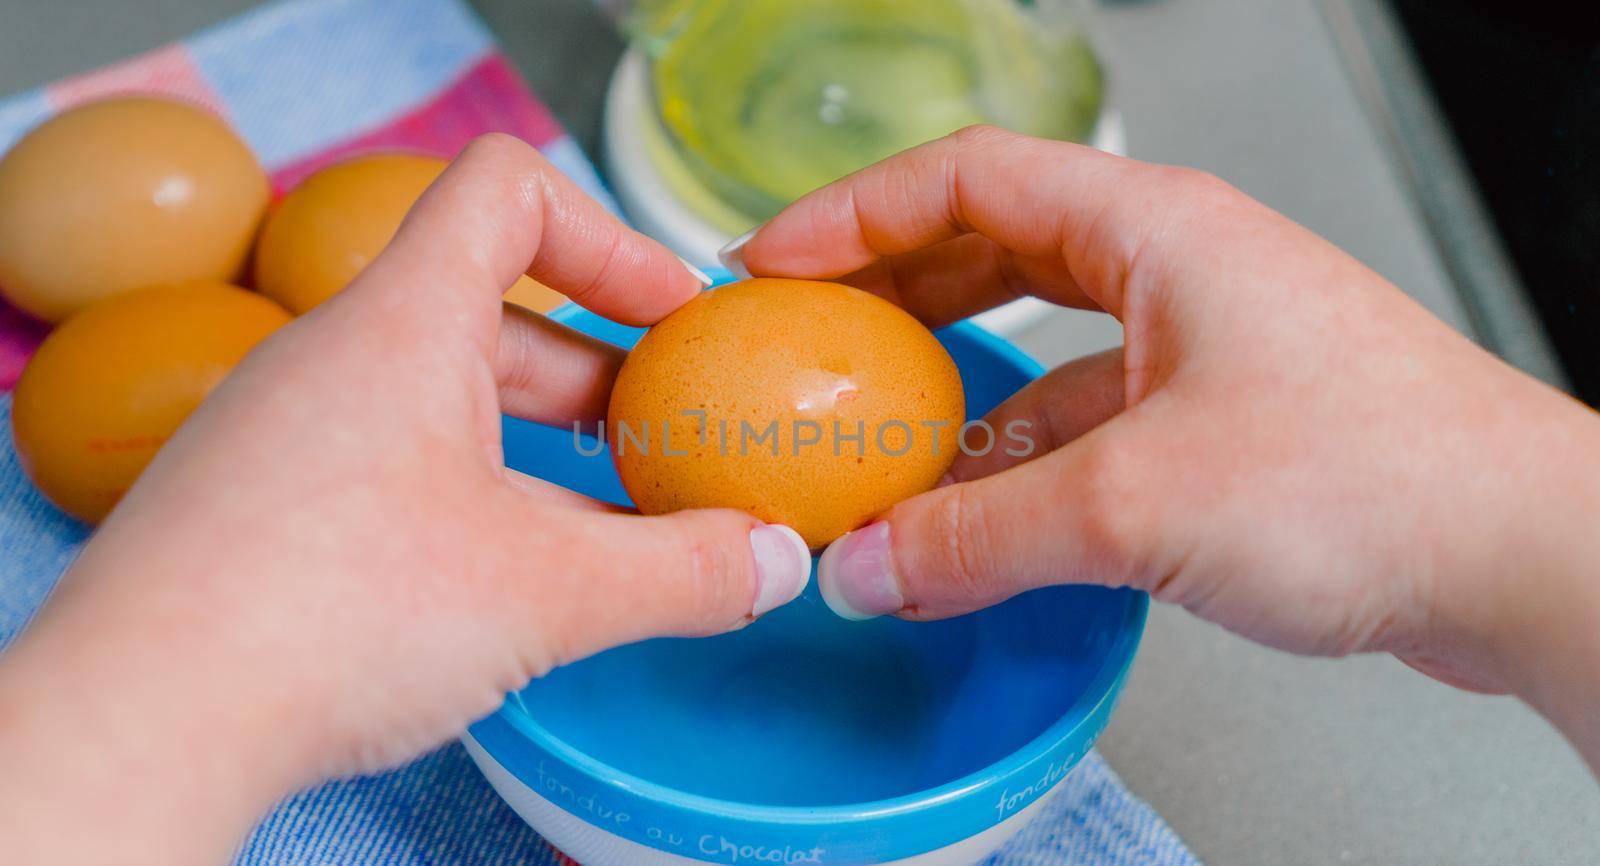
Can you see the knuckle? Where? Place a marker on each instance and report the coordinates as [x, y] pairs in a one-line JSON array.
[[495, 147], [613, 240], [983, 137], [714, 588], [1201, 187], [982, 133], [960, 525]]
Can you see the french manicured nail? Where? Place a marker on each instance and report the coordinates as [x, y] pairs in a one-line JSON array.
[[857, 577], [732, 255], [783, 566], [700, 275]]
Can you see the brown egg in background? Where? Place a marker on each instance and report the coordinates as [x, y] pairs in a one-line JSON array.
[[320, 236], [774, 350], [110, 385], [122, 193]]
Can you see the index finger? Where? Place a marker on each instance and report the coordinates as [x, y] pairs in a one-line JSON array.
[[1033, 199], [501, 210]]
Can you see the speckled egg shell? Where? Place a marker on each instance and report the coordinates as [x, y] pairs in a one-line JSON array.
[[819, 360]]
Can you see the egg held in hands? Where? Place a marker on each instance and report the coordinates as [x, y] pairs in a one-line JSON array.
[[811, 404]]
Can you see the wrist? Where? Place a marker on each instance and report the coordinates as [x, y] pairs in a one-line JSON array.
[[1547, 599], [155, 738], [1555, 654], [1512, 603]]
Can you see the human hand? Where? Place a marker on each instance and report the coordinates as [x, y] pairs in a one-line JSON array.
[[1287, 445], [329, 569]]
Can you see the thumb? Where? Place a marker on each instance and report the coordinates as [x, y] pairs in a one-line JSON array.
[[691, 573], [961, 547]]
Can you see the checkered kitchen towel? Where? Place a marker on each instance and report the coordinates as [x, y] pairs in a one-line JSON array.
[[305, 82]]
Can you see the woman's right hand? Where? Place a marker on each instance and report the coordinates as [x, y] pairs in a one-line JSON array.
[[1287, 445]]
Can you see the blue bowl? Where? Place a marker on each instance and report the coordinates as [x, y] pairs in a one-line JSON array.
[[806, 738]]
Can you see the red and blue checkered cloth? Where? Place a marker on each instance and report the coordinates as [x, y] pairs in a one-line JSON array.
[[306, 82]]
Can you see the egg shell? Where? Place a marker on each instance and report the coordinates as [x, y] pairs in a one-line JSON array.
[[336, 221], [123, 193], [109, 386], [795, 353]]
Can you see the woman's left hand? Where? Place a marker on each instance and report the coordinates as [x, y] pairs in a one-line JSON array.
[[329, 570]]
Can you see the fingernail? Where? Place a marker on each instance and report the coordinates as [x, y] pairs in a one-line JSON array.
[[705, 281], [857, 577], [732, 255], [945, 480], [783, 566]]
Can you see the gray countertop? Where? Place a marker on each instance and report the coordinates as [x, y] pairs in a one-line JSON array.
[[1253, 756]]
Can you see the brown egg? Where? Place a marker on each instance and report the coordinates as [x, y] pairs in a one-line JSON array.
[[337, 221], [810, 404], [531, 294], [112, 383], [127, 192]]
